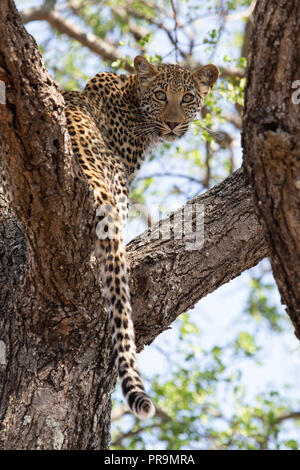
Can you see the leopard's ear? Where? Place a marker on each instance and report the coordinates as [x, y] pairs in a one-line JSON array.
[[204, 78], [144, 69]]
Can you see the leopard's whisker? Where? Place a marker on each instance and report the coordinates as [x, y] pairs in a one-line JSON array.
[[142, 132], [142, 126]]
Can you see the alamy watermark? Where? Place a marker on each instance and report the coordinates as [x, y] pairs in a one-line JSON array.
[[2, 353], [296, 94], [186, 224], [2, 92]]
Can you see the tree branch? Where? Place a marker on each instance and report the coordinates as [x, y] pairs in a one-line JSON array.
[[292, 415], [103, 48], [271, 142], [49, 194], [168, 279]]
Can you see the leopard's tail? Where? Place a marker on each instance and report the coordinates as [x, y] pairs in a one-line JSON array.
[[116, 292]]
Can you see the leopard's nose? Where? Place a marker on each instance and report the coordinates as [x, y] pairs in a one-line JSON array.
[[172, 125]]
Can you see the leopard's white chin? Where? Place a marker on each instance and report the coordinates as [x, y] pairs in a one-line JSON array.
[[171, 137]]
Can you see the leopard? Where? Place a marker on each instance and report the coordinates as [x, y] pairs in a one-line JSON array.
[[114, 123]]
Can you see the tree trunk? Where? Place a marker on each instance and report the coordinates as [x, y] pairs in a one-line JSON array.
[[57, 373], [271, 140]]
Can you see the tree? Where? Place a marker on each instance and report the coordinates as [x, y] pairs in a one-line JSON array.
[[271, 142], [58, 375]]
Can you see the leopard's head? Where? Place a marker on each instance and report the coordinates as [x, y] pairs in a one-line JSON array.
[[170, 96]]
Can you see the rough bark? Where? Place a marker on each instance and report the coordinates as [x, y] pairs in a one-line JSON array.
[[168, 279], [58, 375], [271, 140]]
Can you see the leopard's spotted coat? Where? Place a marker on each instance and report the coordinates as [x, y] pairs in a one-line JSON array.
[[113, 124]]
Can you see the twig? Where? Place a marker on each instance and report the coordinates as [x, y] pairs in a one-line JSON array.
[[175, 31], [105, 49], [172, 175]]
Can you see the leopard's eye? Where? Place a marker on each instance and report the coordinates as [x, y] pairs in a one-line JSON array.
[[160, 95], [188, 98]]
